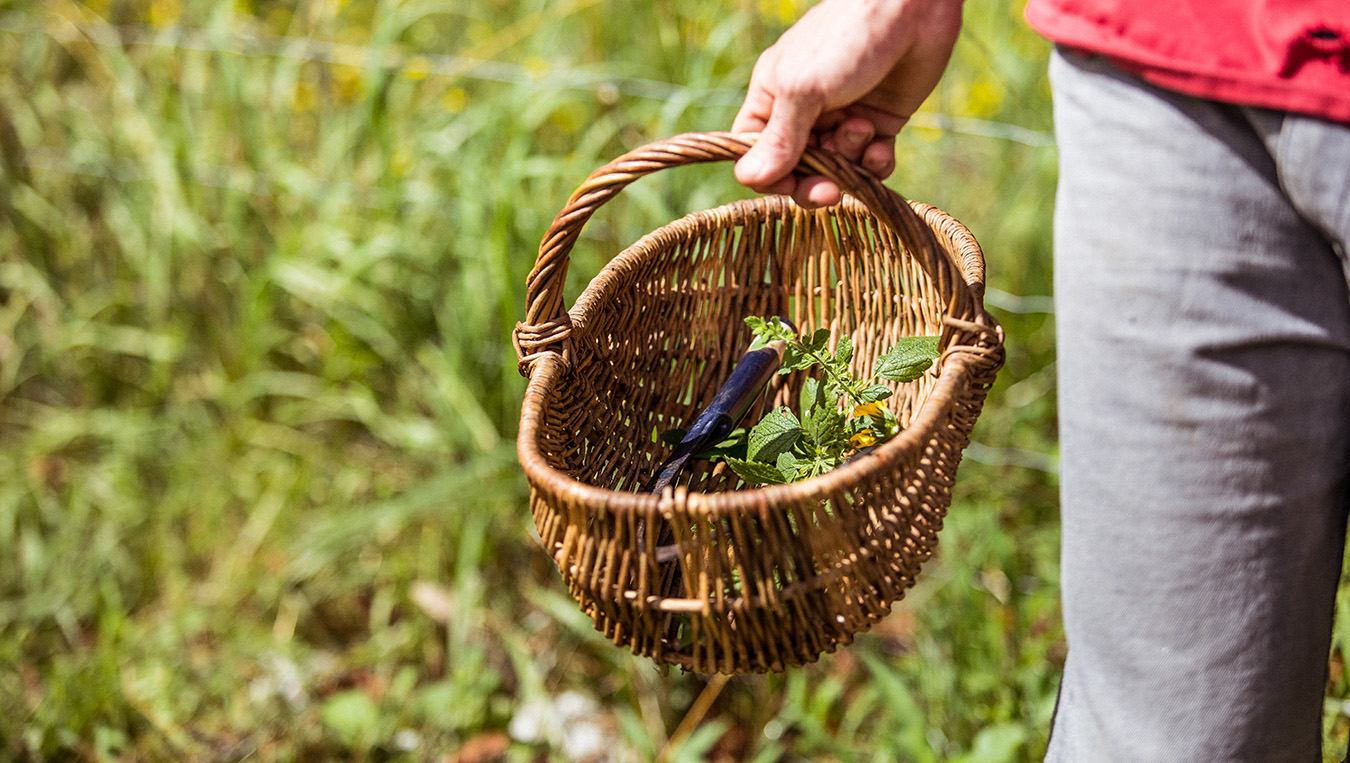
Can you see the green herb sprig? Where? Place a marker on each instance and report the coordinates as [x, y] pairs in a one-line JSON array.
[[838, 414]]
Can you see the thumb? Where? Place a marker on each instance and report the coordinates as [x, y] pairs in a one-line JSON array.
[[779, 147]]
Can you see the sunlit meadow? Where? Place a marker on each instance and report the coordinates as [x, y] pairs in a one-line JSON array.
[[259, 265]]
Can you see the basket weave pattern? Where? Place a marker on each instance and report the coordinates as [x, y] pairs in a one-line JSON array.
[[770, 577]]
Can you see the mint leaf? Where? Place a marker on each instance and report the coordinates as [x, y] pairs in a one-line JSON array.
[[766, 331], [874, 393], [810, 397], [755, 473], [860, 423], [733, 446], [783, 447], [908, 359], [843, 351], [794, 359], [820, 341], [823, 426], [775, 433]]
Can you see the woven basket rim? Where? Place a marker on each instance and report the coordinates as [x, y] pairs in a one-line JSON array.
[[888, 456]]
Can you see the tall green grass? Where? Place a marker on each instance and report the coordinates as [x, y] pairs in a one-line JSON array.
[[259, 265], [257, 489]]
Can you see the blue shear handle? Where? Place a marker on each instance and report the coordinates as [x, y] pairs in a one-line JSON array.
[[725, 411], [734, 398]]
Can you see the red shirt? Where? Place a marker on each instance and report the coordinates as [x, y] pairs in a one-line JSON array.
[[1292, 55]]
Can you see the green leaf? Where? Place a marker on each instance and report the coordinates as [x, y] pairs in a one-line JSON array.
[[874, 393], [883, 426], [758, 332], [810, 396], [775, 433], [795, 359], [734, 445], [755, 473], [782, 447], [908, 359], [811, 424], [820, 341], [766, 331], [999, 743], [843, 351], [699, 745], [823, 426], [353, 716]]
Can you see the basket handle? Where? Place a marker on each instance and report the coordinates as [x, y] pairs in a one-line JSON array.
[[546, 323]]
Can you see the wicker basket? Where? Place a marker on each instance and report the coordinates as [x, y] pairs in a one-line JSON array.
[[770, 577]]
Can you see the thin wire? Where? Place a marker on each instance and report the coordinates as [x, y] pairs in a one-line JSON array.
[[1030, 459], [1014, 303]]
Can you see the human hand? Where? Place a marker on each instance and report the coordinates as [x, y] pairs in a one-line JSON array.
[[847, 76]]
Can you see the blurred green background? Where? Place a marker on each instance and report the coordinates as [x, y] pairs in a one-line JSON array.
[[259, 265]]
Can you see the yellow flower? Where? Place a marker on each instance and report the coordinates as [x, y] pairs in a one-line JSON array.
[[348, 82], [400, 161], [862, 439], [869, 409], [455, 99], [417, 68], [783, 11], [537, 67], [164, 13], [983, 98], [304, 97]]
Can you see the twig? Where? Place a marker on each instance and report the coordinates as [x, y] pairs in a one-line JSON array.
[[694, 717]]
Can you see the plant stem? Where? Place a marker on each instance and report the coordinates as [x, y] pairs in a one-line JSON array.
[[824, 363]]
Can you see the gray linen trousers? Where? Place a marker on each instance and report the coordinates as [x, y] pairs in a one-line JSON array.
[[1203, 321]]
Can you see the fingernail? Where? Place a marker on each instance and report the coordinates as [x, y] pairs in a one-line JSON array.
[[750, 167], [854, 139]]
